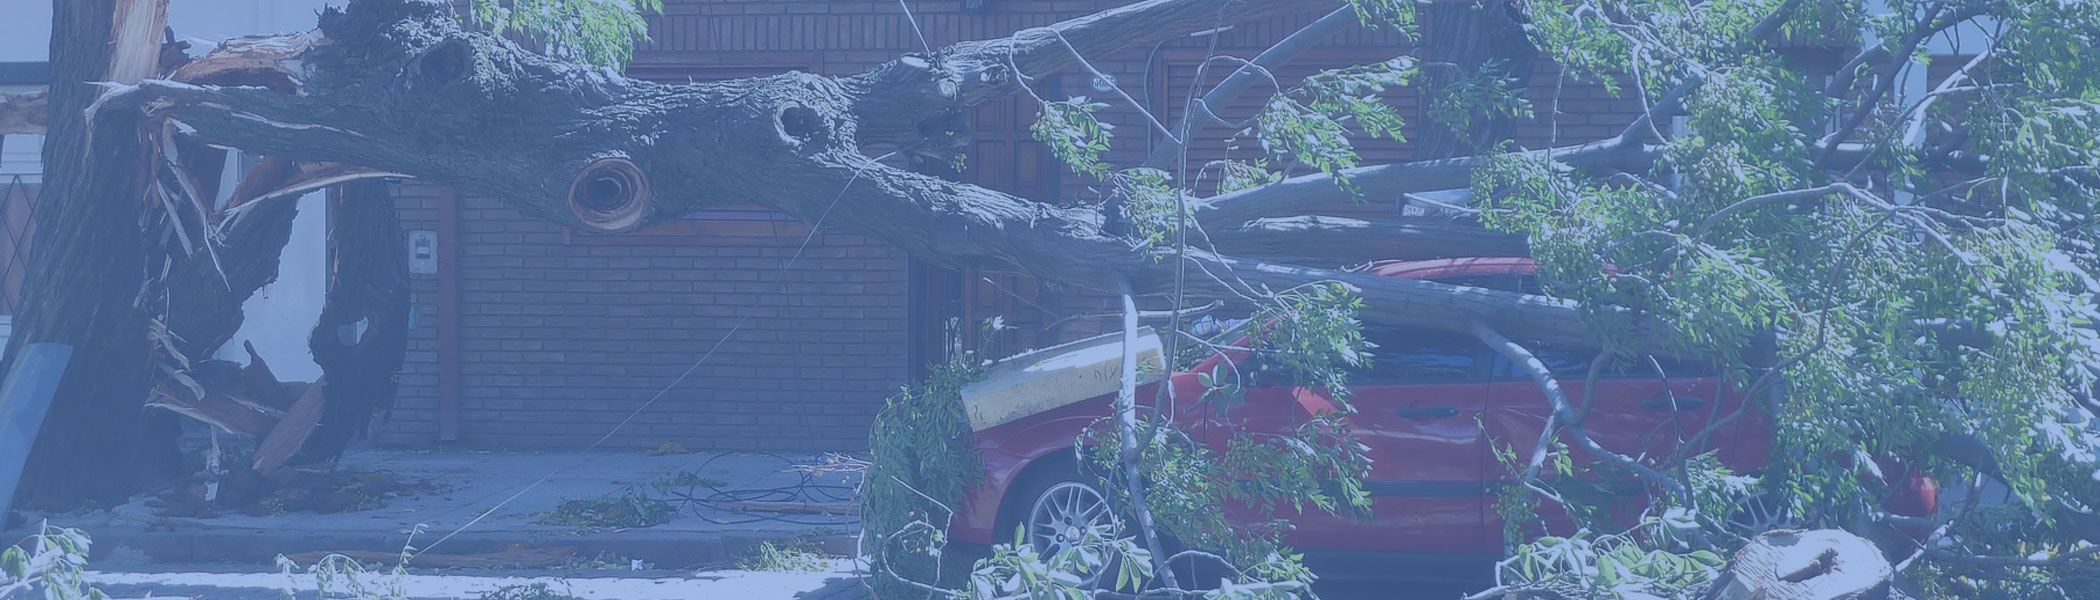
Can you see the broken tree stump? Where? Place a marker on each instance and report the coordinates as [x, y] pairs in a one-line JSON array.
[[1823, 564]]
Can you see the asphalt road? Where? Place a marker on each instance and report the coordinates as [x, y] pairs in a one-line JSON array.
[[222, 582]]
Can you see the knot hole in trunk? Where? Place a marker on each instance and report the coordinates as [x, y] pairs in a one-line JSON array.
[[610, 195], [444, 63], [800, 123]]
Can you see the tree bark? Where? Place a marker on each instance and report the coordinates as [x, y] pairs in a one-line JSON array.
[[362, 335], [86, 268], [1342, 241]]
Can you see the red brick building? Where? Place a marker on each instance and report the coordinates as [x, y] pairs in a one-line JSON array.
[[532, 336]]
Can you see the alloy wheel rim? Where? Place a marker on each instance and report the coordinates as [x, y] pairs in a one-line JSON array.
[[1062, 514]]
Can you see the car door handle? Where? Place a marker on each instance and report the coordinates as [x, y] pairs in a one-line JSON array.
[[1440, 411], [1662, 404]]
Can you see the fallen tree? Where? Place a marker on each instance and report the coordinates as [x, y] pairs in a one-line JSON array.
[[1654, 241]]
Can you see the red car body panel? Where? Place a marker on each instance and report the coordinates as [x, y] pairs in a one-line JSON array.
[[1432, 472], [1441, 456]]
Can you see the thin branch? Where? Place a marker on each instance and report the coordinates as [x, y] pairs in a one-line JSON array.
[[1126, 429], [1104, 78], [1229, 90]]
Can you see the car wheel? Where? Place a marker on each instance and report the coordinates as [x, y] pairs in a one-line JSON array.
[[1055, 509]]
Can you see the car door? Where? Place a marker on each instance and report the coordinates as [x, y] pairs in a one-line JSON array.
[[1415, 406], [1637, 411]]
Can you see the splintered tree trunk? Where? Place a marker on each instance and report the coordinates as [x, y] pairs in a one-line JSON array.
[[86, 266], [363, 332], [206, 293]]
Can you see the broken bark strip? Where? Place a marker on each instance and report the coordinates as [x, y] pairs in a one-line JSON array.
[[87, 261], [362, 335]]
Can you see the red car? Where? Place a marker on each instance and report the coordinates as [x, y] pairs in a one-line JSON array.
[[1427, 405]]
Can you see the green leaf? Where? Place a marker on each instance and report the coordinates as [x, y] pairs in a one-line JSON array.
[[14, 564]]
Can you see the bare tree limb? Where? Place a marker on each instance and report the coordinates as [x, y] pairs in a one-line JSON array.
[[1300, 195], [1322, 240]]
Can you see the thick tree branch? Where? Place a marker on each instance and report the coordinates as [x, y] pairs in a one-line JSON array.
[[1321, 240], [399, 87], [1300, 195]]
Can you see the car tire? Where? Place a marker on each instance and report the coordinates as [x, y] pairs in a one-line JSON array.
[[1051, 503], [1040, 489]]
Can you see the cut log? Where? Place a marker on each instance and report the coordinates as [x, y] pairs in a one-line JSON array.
[[1823, 564], [1042, 380], [291, 431]]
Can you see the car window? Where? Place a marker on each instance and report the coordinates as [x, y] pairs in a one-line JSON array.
[[1410, 355]]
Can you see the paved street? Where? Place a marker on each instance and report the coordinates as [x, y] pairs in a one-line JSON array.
[[219, 583], [222, 582]]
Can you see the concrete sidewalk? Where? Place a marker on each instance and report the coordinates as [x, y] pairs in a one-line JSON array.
[[514, 490]]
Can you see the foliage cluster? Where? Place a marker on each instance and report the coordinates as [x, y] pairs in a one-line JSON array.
[[52, 564], [629, 508], [921, 464], [598, 32]]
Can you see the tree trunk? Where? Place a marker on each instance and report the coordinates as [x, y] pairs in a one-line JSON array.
[[362, 335], [86, 267], [475, 112]]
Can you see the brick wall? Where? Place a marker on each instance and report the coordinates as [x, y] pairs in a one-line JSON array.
[[564, 336]]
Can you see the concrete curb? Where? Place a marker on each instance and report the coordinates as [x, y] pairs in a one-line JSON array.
[[664, 549]]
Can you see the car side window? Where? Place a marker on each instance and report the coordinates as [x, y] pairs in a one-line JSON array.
[[1410, 355]]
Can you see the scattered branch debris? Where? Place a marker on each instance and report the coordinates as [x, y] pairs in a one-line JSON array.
[[625, 510], [244, 491], [552, 556]]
